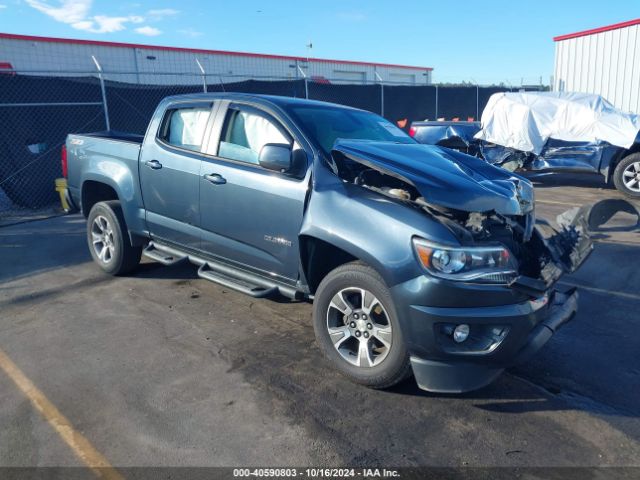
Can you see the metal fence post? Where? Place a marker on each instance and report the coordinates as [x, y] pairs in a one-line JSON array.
[[204, 76], [104, 93], [306, 82], [381, 93]]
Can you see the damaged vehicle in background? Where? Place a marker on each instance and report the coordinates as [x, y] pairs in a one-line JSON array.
[[548, 132], [418, 259]]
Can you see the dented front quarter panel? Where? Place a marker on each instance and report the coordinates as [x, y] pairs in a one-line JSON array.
[[369, 226]]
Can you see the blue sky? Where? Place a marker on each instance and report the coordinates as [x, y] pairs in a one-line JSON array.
[[483, 41]]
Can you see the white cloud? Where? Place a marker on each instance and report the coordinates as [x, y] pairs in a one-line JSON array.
[[162, 12], [148, 31], [2, 6], [76, 14], [102, 24], [67, 11], [190, 32]]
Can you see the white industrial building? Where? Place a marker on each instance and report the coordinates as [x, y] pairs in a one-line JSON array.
[[149, 64], [604, 61]]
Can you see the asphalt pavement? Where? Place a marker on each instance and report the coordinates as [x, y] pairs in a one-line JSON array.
[[162, 368]]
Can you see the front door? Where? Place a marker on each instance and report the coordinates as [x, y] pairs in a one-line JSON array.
[[251, 216], [170, 174], [572, 156]]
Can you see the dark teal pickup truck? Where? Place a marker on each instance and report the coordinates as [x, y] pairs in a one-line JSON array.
[[417, 258]]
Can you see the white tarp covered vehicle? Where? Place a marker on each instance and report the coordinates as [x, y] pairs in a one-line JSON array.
[[525, 121], [562, 131], [546, 132]]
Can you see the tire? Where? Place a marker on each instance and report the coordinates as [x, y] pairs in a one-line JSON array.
[[112, 249], [338, 306], [623, 175]]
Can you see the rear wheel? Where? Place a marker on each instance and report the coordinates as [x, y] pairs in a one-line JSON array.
[[108, 239], [626, 176], [357, 328]]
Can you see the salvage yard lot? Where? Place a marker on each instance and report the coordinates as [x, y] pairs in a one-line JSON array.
[[162, 368]]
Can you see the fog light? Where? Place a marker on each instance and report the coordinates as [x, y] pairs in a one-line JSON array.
[[460, 333]]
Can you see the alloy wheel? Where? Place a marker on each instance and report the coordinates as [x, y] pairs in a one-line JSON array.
[[102, 239], [631, 177], [359, 327]]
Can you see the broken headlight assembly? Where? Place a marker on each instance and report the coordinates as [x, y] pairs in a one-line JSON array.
[[485, 264]]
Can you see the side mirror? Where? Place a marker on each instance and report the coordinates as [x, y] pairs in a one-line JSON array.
[[276, 156]]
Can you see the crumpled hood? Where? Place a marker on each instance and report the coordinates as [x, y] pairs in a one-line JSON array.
[[445, 177]]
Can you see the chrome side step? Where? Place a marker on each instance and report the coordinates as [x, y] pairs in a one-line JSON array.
[[220, 273], [257, 291], [162, 256]]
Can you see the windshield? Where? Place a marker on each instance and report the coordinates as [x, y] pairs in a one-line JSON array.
[[326, 124]]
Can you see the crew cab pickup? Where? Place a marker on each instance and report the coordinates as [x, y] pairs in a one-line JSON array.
[[417, 258]]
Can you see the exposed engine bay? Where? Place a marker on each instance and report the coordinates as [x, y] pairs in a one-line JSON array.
[[543, 252]]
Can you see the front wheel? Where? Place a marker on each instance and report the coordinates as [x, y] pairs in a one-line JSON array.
[[626, 176], [357, 328], [108, 239]]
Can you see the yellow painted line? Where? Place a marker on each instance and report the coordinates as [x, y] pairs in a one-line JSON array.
[[552, 202], [603, 291], [76, 441]]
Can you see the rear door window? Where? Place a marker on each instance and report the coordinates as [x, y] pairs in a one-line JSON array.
[[185, 127], [245, 133]]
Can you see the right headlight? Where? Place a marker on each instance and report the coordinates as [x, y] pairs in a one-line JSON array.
[[486, 264]]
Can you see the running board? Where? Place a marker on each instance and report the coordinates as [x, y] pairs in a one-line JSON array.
[[256, 291], [220, 273], [162, 256]]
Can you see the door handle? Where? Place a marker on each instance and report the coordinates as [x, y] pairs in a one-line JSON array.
[[153, 164], [215, 178]]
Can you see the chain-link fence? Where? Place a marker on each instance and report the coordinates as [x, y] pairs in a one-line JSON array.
[[38, 110]]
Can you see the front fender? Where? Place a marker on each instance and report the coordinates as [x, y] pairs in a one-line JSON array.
[[372, 228]]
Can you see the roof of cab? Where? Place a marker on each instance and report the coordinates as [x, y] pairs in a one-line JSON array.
[[280, 101]]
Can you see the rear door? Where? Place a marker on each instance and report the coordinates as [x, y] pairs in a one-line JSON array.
[[170, 172], [251, 216]]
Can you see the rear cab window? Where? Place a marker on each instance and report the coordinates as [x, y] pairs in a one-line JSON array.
[[184, 127]]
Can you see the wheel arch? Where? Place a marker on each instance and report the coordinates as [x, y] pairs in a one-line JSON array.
[[97, 188], [611, 168], [320, 256], [94, 191]]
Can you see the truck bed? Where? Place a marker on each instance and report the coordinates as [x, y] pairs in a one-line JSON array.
[[112, 154], [114, 135]]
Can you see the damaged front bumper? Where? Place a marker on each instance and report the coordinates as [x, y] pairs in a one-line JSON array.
[[508, 324], [567, 249], [466, 371]]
